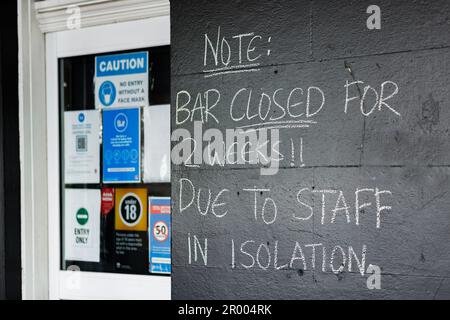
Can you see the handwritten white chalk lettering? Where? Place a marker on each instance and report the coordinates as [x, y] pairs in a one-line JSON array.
[[240, 147], [198, 249], [331, 205], [254, 112], [189, 196], [268, 202], [241, 49], [340, 205], [250, 254], [201, 106], [341, 263], [281, 108], [296, 103], [378, 99]]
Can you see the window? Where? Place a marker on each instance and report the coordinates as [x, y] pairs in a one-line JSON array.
[[119, 241], [87, 98]]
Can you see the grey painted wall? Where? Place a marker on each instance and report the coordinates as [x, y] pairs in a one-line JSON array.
[[352, 188]]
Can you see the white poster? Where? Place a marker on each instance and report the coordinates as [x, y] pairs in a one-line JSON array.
[[157, 143], [82, 225], [121, 80], [81, 147]]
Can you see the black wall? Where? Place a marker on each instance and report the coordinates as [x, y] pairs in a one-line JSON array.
[[10, 270], [404, 155]]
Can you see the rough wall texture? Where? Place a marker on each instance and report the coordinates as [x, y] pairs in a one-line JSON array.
[[364, 176]]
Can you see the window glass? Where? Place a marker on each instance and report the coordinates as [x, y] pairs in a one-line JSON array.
[[114, 155]]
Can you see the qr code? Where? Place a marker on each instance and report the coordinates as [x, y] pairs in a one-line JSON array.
[[81, 143]]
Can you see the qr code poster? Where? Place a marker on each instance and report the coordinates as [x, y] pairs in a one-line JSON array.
[[81, 147], [82, 143]]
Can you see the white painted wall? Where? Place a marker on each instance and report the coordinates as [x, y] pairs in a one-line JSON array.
[[33, 144]]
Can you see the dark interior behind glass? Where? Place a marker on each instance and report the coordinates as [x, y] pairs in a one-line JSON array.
[[76, 91]]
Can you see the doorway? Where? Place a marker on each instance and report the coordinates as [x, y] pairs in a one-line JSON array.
[[108, 132]]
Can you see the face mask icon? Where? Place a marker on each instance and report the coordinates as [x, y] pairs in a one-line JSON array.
[[107, 93], [107, 90]]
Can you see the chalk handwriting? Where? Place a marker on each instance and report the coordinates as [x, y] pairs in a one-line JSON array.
[[233, 54]]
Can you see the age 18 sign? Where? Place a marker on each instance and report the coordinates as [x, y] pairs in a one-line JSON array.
[[121, 80], [121, 145]]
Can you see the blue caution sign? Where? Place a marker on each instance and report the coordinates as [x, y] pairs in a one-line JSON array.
[[121, 80], [160, 235], [121, 145]]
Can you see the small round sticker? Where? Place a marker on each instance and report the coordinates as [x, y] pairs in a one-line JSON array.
[[82, 216], [160, 231], [130, 209], [121, 122], [81, 117]]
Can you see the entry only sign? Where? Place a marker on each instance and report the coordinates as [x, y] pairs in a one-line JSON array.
[[121, 80]]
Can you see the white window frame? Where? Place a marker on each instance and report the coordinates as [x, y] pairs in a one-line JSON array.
[[127, 35]]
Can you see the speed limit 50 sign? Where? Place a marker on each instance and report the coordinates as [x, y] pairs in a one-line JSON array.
[[159, 234]]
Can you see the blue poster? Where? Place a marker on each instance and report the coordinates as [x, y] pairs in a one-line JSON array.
[[159, 234], [121, 145]]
